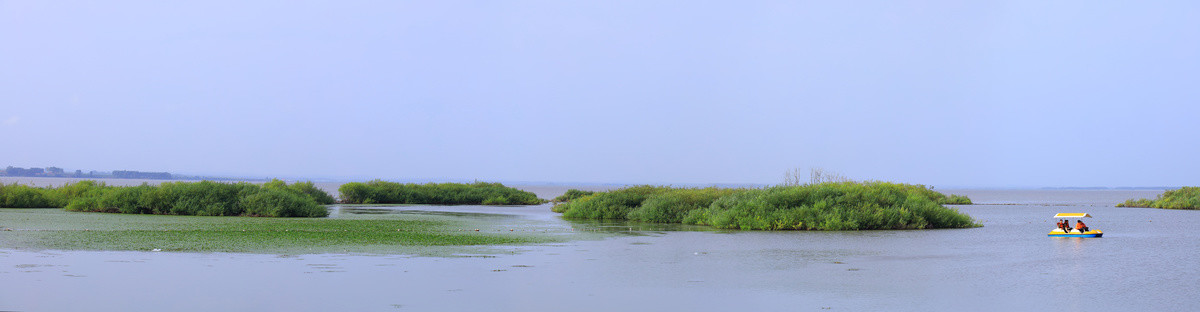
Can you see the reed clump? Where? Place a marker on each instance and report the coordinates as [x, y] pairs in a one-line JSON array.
[[1187, 197], [478, 193], [822, 206]]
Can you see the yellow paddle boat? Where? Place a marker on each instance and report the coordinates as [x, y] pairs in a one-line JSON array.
[[1074, 232]]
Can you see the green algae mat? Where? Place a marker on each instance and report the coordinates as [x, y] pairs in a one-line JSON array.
[[56, 229]]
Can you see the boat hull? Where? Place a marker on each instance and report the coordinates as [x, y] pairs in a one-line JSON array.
[[1075, 235], [1060, 233]]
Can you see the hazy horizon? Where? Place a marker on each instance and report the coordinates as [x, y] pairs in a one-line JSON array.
[[944, 93], [220, 177]]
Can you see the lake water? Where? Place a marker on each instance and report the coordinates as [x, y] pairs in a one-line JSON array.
[[1146, 261]]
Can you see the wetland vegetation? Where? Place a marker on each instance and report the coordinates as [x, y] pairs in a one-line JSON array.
[[1187, 197], [572, 194], [383, 233], [478, 193], [820, 206], [205, 198]]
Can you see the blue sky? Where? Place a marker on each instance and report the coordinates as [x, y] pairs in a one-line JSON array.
[[947, 93]]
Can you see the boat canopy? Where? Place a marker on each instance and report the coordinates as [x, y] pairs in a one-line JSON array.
[[1072, 215]]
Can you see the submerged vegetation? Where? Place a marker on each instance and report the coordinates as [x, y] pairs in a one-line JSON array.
[[822, 206], [205, 198], [1187, 197], [478, 193]]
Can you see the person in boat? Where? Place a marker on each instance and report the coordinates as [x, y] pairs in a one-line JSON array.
[[1080, 226], [1066, 226], [1061, 226]]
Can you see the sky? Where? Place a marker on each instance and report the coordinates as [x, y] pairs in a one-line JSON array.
[[945, 93]]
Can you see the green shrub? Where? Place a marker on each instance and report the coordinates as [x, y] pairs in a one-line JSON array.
[[306, 188], [954, 200], [23, 196], [572, 194], [1187, 197], [672, 205], [127, 200], [825, 206], [614, 204], [86, 204], [204, 198], [478, 193], [281, 203], [831, 206], [85, 188]]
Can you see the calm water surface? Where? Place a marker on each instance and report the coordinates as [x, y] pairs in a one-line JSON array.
[[1146, 261]]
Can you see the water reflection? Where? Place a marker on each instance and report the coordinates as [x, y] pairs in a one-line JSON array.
[[1069, 247], [1071, 269]]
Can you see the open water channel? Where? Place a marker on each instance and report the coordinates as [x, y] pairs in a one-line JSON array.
[[1148, 260]]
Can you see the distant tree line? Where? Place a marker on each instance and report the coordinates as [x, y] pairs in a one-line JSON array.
[[127, 174], [56, 172]]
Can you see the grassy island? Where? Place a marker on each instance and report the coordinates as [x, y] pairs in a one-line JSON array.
[[478, 193], [205, 198], [1187, 197], [823, 206]]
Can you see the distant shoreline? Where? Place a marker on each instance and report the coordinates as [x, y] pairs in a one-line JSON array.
[[581, 184]]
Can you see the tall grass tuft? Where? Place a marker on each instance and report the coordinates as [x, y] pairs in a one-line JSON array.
[[1187, 197], [478, 193], [281, 203], [954, 200]]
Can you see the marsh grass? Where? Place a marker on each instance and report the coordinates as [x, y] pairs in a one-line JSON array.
[[478, 193], [56, 229], [823, 206], [1187, 197]]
